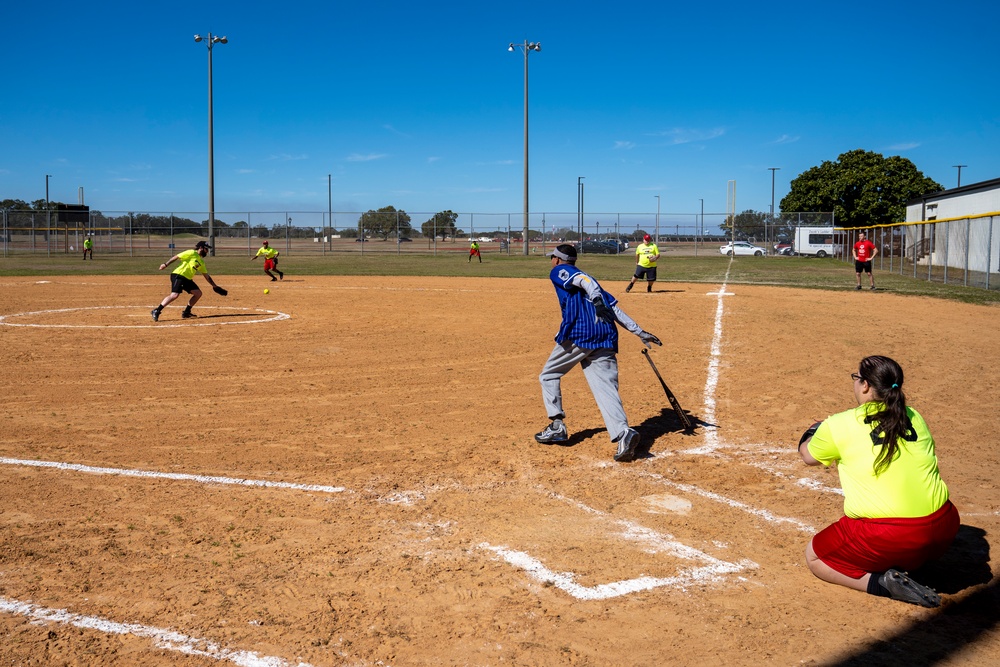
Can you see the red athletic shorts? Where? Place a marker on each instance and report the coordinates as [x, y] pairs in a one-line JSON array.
[[269, 264], [857, 546]]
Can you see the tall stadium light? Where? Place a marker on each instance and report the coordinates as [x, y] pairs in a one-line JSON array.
[[772, 170], [657, 232], [959, 167], [210, 41], [526, 47], [579, 208]]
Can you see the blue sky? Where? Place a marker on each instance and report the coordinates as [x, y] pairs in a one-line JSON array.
[[420, 105]]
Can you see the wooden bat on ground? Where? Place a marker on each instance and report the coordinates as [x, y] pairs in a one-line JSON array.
[[688, 426]]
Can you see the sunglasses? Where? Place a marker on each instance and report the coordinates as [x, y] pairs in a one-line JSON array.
[[857, 378]]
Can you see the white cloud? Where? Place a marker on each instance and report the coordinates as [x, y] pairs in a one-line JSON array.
[[682, 135], [433, 159], [285, 157], [786, 139], [624, 145], [357, 157], [906, 146]]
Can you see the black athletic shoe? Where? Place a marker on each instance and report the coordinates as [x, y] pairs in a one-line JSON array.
[[629, 288], [156, 315], [281, 275], [187, 314], [627, 445], [554, 432], [273, 279], [858, 287], [904, 589]]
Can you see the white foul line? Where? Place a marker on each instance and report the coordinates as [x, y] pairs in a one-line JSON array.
[[712, 379], [201, 479], [162, 638]]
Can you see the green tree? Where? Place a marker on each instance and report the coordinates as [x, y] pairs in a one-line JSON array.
[[442, 224], [749, 224], [384, 222], [862, 188]]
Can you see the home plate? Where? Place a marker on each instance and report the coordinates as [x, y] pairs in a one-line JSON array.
[[664, 503]]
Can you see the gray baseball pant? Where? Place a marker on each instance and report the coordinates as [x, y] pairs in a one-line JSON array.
[[600, 367]]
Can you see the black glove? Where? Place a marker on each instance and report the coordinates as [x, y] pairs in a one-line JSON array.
[[649, 339], [603, 312], [218, 290], [808, 433]]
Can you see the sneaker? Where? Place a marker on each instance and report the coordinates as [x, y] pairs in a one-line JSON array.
[[649, 289], [554, 432], [156, 315], [627, 445], [274, 280], [187, 314], [902, 588], [873, 287], [858, 287], [282, 275], [629, 288]]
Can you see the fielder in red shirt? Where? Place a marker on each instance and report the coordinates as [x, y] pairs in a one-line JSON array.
[[864, 253]]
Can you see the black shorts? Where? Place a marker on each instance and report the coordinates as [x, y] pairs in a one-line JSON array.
[[647, 273], [862, 266], [179, 283]]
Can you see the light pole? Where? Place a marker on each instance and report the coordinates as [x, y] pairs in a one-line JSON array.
[[48, 216], [701, 229], [657, 219], [579, 208], [211, 40], [772, 169], [959, 167], [527, 47]]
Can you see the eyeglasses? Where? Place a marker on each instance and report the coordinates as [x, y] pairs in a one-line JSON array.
[[857, 378]]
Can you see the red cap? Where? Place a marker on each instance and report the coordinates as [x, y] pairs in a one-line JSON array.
[[647, 238]]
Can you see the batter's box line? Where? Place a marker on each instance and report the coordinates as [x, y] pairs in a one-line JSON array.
[[177, 476], [169, 640], [566, 581]]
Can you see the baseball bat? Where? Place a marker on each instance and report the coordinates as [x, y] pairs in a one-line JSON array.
[[688, 426]]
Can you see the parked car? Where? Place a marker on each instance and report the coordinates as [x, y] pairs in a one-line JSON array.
[[360, 239], [616, 245], [403, 239], [784, 248], [595, 248], [742, 248]]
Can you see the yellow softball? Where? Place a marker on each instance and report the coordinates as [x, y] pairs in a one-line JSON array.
[[267, 291]]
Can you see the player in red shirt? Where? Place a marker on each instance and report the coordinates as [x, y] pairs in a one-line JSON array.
[[864, 253]]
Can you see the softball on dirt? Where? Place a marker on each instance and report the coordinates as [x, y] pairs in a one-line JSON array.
[[267, 291]]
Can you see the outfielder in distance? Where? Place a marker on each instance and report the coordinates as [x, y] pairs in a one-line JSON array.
[[182, 279], [588, 336], [897, 510], [270, 260], [474, 252], [646, 255]]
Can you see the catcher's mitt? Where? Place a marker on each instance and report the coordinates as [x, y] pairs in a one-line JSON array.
[[221, 292], [809, 432]]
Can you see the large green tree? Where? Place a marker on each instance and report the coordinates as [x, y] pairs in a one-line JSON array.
[[384, 222], [442, 224], [862, 188], [749, 224]]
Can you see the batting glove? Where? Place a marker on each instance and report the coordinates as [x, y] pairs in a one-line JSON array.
[[649, 339], [602, 310]]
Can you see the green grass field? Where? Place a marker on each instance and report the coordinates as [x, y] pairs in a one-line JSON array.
[[823, 274]]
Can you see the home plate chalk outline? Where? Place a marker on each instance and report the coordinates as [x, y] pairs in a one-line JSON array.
[[276, 316], [169, 640]]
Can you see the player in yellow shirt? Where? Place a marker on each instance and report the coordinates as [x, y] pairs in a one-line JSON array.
[[897, 510], [182, 279], [270, 260], [88, 247], [646, 255]]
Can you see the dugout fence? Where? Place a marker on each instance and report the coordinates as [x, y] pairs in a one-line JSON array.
[[954, 251]]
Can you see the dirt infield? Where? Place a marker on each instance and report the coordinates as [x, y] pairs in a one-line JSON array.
[[342, 472]]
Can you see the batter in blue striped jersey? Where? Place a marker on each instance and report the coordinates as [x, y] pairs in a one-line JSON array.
[[588, 337]]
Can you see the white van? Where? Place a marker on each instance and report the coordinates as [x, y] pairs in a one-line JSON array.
[[817, 241]]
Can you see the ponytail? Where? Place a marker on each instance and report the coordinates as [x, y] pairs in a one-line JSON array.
[[892, 423]]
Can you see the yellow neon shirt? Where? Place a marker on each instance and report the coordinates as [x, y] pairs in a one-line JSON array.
[[191, 262], [910, 487], [644, 251], [268, 252]]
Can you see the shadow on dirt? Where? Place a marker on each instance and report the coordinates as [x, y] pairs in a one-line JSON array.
[[959, 623]]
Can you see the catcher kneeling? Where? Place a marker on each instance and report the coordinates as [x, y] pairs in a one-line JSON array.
[[182, 279]]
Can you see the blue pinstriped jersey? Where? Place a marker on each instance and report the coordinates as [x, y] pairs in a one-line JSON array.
[[580, 323]]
